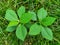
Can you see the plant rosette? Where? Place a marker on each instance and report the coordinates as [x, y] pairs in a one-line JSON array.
[[29, 20]]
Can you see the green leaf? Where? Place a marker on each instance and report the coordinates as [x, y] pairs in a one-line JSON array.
[[12, 26], [25, 18], [21, 11], [13, 23], [11, 15], [34, 18], [47, 33], [21, 32], [48, 21], [42, 13], [28, 25], [10, 29], [35, 29]]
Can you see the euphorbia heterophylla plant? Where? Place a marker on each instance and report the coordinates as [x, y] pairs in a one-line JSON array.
[[36, 23]]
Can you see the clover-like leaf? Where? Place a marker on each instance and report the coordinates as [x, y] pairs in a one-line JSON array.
[[11, 15], [48, 21], [13, 23], [35, 29], [34, 18], [10, 29], [25, 18], [47, 33], [42, 13], [21, 32], [21, 11]]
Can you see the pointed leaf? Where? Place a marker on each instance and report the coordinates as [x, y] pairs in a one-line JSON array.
[[34, 18], [21, 32], [13, 23], [21, 11], [10, 29], [12, 26], [25, 18], [42, 13], [48, 21], [35, 29], [47, 33], [11, 15]]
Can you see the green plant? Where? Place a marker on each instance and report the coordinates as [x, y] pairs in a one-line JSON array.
[[29, 20]]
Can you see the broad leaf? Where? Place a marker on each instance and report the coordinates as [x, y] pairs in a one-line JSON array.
[[25, 18], [10, 29], [34, 18], [21, 32], [48, 21], [13, 23], [35, 29], [11, 15], [42, 13], [21, 11], [47, 33]]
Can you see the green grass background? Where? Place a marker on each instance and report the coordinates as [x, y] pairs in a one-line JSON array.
[[53, 8]]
